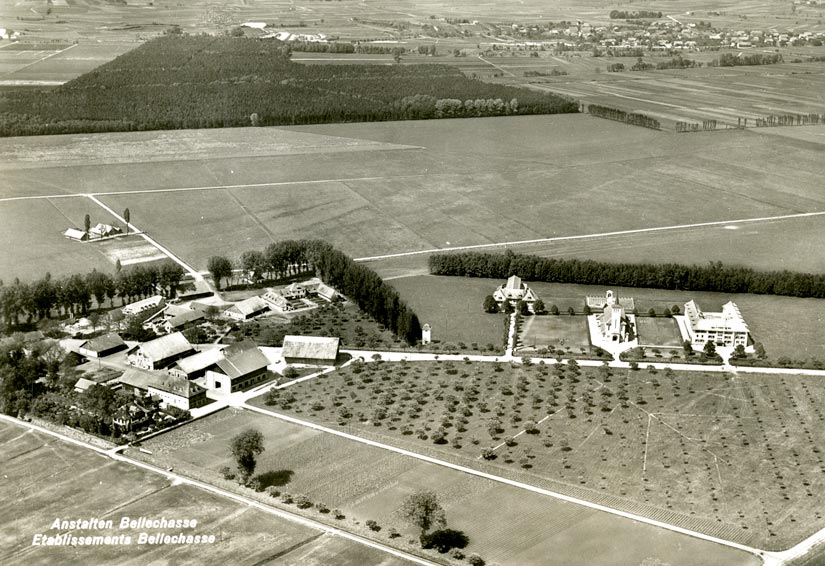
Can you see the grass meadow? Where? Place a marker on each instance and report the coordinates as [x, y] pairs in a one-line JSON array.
[[393, 187], [45, 478], [733, 457], [370, 483]]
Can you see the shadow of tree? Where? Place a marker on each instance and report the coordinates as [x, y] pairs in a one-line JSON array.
[[274, 478]]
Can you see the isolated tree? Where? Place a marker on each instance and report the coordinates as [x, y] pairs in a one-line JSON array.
[[245, 447], [739, 351], [87, 223], [490, 304], [423, 510], [554, 309], [675, 309], [219, 267], [538, 307], [710, 348], [759, 349], [523, 308], [127, 217], [687, 347]]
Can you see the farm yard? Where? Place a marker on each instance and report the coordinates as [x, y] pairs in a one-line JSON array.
[[734, 457], [46, 478], [370, 483]]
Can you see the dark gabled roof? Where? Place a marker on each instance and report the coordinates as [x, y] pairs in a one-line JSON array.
[[165, 347], [103, 343], [241, 359], [312, 347], [143, 380], [184, 318]]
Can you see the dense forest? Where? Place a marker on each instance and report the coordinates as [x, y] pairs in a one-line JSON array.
[[712, 277], [175, 82]]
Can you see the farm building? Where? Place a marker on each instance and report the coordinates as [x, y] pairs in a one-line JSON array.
[[294, 291], [82, 385], [172, 391], [197, 365], [102, 346], [312, 350], [726, 328], [153, 302], [610, 298], [242, 365], [276, 301], [614, 324], [78, 235], [103, 231], [326, 292], [160, 352], [183, 320], [246, 309], [513, 291]]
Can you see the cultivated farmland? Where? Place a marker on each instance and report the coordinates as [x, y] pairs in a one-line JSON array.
[[369, 483], [45, 478], [736, 457], [562, 176]]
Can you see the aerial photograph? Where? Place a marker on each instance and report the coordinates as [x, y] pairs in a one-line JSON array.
[[412, 282]]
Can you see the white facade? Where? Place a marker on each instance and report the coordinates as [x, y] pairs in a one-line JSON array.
[[514, 291], [726, 328]]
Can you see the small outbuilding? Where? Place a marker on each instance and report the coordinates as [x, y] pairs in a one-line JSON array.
[[78, 235], [102, 346], [243, 365]]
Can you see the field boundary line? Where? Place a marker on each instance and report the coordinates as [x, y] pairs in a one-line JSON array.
[[72, 46], [766, 556], [179, 479], [192, 271], [595, 235]]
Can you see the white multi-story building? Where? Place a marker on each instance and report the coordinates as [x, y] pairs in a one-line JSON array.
[[726, 328], [514, 291]]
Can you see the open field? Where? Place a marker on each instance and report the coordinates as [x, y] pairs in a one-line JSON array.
[[717, 453], [562, 176], [45, 478], [558, 331], [369, 483], [453, 311], [33, 241], [658, 332], [722, 94]]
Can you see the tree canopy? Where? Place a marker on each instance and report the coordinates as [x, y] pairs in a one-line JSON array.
[[423, 510], [245, 447]]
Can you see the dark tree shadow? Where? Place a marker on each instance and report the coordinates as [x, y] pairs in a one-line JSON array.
[[274, 478]]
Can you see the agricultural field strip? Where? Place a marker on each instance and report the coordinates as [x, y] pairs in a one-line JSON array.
[[43, 59], [114, 453], [768, 557], [596, 235], [194, 273]]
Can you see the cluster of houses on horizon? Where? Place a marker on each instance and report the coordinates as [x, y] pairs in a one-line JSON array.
[[615, 324]]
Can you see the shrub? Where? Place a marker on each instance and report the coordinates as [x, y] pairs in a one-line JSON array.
[[444, 540], [373, 526], [290, 372], [273, 491], [338, 514], [393, 532], [303, 502], [322, 507], [475, 560], [227, 473], [286, 498]]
